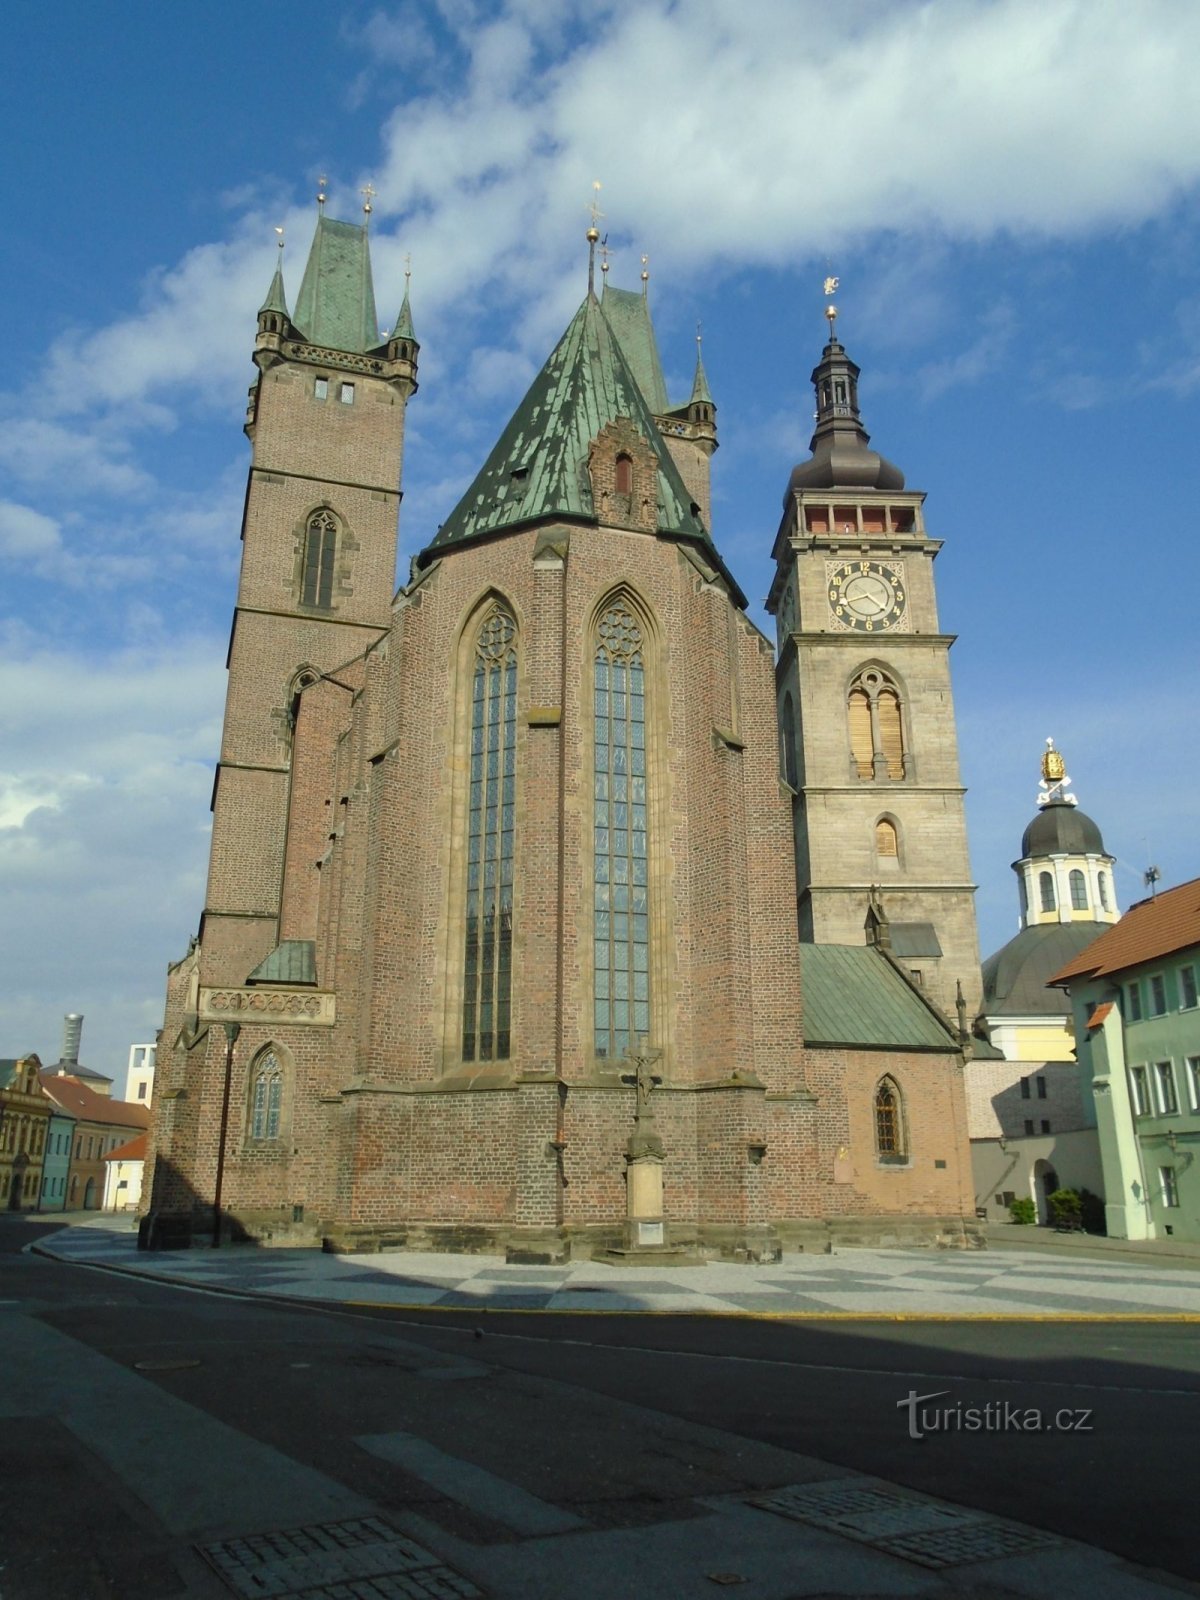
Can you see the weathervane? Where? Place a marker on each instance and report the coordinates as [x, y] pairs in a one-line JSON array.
[[831, 311], [1052, 790], [645, 275]]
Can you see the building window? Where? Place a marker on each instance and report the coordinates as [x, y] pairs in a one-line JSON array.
[[320, 388], [1193, 1070], [320, 554], [1170, 1186], [487, 982], [1158, 995], [876, 725], [1140, 1091], [1041, 1087], [887, 842], [266, 1096], [1079, 897], [1164, 1083], [141, 1091], [1046, 886], [346, 394], [1102, 884], [889, 1123], [787, 737], [1187, 988], [1029, 1126], [1045, 1125], [1025, 1089], [1134, 992], [622, 912]]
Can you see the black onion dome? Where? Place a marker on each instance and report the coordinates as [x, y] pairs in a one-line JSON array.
[[841, 453], [1062, 830]]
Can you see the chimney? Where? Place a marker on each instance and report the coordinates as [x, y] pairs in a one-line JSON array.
[[72, 1033]]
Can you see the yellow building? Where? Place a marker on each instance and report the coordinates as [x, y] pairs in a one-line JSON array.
[[24, 1118]]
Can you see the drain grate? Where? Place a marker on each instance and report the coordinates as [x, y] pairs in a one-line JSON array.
[[363, 1559], [923, 1531]]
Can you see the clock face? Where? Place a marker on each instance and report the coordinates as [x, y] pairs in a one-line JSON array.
[[866, 596]]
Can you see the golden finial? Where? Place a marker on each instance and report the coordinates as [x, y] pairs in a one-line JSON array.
[[1052, 790], [1054, 768], [593, 234], [645, 275], [831, 311], [322, 188], [604, 257], [368, 194], [279, 237]]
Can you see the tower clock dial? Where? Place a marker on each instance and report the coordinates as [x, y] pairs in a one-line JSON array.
[[866, 596]]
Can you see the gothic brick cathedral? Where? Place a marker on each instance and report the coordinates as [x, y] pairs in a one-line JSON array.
[[549, 869]]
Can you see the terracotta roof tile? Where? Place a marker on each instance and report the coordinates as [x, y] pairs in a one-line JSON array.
[[131, 1150], [89, 1106], [1098, 1016], [1149, 930]]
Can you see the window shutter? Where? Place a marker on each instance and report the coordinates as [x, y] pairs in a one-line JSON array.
[[861, 743]]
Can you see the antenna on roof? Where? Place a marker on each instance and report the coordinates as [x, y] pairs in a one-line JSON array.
[[1150, 877]]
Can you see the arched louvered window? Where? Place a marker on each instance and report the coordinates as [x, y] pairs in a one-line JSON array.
[[876, 724], [621, 944], [887, 840], [320, 555], [889, 1122], [787, 735], [487, 968], [266, 1096], [1079, 896], [1046, 888]]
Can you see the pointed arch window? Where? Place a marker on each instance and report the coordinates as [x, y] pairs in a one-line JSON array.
[[266, 1096], [487, 965], [890, 1144], [1079, 897], [887, 839], [1046, 889], [876, 725], [622, 922], [320, 556]]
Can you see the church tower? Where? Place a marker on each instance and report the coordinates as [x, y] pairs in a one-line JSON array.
[[866, 716], [325, 420]]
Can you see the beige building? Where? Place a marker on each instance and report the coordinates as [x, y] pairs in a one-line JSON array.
[[499, 947]]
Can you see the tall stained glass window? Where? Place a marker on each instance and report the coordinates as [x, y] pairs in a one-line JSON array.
[[320, 554], [622, 924], [487, 968], [266, 1097]]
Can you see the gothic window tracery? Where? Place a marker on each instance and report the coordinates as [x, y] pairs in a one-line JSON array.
[[266, 1096], [320, 556], [621, 907], [889, 1122], [876, 726], [487, 966]]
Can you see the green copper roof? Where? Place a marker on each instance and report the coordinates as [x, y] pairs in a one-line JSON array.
[[853, 996], [700, 394], [404, 322], [628, 316], [538, 468], [276, 299], [336, 304], [294, 961]]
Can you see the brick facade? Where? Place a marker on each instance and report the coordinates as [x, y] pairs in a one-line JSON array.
[[342, 824]]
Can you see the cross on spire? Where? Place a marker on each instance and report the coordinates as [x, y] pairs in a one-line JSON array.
[[368, 193]]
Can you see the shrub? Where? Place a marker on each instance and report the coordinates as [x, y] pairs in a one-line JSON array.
[[1022, 1210], [1065, 1208]]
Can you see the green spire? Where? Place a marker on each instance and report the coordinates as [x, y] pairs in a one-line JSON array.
[[538, 468], [336, 304], [404, 322], [628, 315], [276, 299], [700, 393]]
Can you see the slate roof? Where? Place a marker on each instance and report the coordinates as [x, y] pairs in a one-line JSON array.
[[336, 303], [538, 468], [854, 996], [1061, 830], [89, 1106], [293, 961], [628, 315], [1016, 976], [1149, 930]]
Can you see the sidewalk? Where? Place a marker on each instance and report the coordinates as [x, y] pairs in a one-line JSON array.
[[1067, 1276], [771, 1523]]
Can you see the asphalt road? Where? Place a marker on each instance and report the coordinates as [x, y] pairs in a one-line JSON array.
[[609, 1417]]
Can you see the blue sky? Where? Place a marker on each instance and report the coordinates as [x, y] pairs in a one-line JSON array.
[[1008, 191]]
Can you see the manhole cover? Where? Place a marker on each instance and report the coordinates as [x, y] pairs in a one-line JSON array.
[[363, 1559], [923, 1531]]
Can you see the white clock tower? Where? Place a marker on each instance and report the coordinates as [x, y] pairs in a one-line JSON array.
[[866, 716]]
